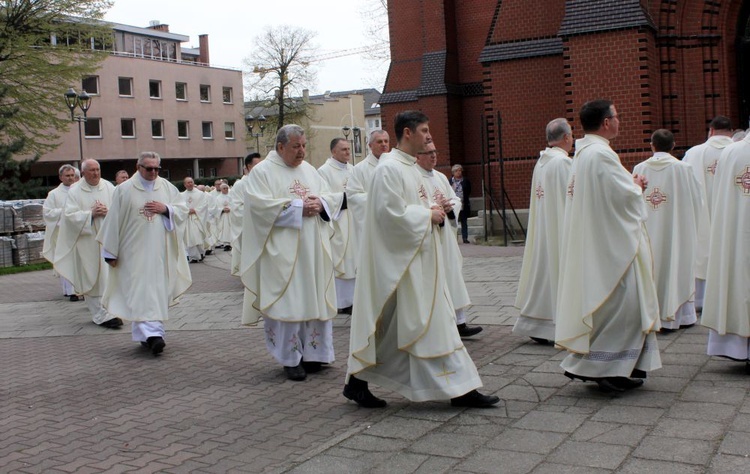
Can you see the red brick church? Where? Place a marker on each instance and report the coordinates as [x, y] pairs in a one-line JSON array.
[[490, 74]]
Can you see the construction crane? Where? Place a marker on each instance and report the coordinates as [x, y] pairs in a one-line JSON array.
[[326, 56]]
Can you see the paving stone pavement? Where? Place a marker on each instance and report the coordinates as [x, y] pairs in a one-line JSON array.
[[78, 398]]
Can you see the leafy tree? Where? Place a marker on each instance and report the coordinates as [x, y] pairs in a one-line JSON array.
[[46, 46], [12, 172], [280, 67]]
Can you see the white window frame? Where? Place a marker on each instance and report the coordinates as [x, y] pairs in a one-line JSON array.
[[187, 130], [122, 120], [210, 129], [229, 131], [92, 120], [119, 91], [231, 95], [157, 82], [96, 80], [185, 89], [153, 121], [200, 93]]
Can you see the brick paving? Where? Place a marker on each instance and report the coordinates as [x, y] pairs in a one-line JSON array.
[[78, 398]]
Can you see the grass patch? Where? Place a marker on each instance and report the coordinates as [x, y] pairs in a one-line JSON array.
[[26, 268]]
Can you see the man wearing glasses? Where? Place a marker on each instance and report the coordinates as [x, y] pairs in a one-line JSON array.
[[142, 244], [607, 305]]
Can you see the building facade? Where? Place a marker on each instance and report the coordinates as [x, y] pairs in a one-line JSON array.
[[491, 73], [151, 94]]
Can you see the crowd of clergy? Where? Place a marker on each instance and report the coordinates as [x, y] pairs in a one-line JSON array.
[[611, 257]]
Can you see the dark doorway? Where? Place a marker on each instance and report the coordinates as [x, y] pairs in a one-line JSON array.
[[743, 65]]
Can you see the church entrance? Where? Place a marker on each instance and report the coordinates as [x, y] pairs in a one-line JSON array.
[[743, 65]]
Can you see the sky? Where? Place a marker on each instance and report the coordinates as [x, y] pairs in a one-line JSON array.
[[232, 26]]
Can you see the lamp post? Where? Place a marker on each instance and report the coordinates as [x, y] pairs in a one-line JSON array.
[[82, 101], [250, 124], [356, 136]]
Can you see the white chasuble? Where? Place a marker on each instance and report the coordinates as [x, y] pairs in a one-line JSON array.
[[52, 212], [196, 224], [704, 158], [726, 309], [343, 242], [439, 189], [152, 269], [287, 271], [356, 195], [403, 330], [673, 199], [237, 197], [607, 306], [223, 224], [78, 254], [537, 286]]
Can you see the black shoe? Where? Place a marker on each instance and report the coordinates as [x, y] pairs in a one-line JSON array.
[[145, 344], [74, 298], [356, 390], [192, 260], [114, 323], [685, 326], [296, 373], [638, 374], [475, 399], [625, 383], [607, 385], [540, 340], [468, 331], [347, 310], [466, 241], [156, 344], [209, 252], [312, 367], [202, 258], [227, 248], [666, 331]]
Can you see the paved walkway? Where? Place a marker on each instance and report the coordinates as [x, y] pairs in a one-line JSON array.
[[78, 398]]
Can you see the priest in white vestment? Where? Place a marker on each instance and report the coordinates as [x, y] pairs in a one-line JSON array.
[[703, 158], [237, 196], [142, 243], [77, 253], [336, 172], [52, 211], [403, 329], [726, 311], [607, 306], [441, 194], [361, 178], [537, 287], [674, 203], [223, 231], [196, 224], [287, 266]]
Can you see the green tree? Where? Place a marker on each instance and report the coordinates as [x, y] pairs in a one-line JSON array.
[[280, 67], [12, 172], [46, 46]]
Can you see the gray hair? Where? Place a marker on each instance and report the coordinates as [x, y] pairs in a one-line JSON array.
[[145, 155], [77, 172], [376, 132], [557, 129], [85, 163], [455, 168], [288, 131], [64, 168]]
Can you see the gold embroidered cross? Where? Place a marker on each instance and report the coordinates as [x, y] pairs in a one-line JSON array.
[[540, 191], [147, 214], [743, 181], [712, 167], [572, 186], [656, 198], [445, 373]]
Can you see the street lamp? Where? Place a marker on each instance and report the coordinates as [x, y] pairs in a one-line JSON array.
[[356, 136], [250, 124], [83, 102]]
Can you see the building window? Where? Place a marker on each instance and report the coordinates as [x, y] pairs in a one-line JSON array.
[[201, 173], [208, 130], [205, 93], [180, 90], [183, 129], [212, 172], [164, 173], [157, 128], [229, 130], [93, 127], [154, 89], [127, 127], [189, 172], [226, 94], [90, 84], [125, 85]]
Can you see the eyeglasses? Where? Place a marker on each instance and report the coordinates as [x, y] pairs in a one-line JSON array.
[[150, 169]]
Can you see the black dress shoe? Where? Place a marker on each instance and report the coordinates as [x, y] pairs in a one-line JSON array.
[[466, 241], [475, 399], [624, 383], [357, 391], [312, 367], [156, 344], [296, 373], [227, 248], [347, 310], [638, 374], [74, 298], [541, 340], [468, 331], [114, 323], [209, 252]]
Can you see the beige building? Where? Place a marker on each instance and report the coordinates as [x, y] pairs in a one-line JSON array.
[[153, 94], [325, 118]]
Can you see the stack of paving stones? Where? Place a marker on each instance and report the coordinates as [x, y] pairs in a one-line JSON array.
[[21, 232], [6, 251], [28, 249]]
